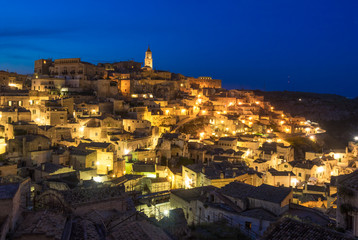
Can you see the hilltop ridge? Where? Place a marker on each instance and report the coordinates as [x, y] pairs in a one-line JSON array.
[[337, 114]]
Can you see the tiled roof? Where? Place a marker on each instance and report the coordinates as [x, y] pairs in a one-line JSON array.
[[158, 180], [193, 193], [94, 145], [221, 158], [76, 151], [270, 193], [138, 230], [42, 223], [309, 215], [349, 180], [269, 146], [259, 213], [215, 169], [45, 127], [125, 178], [292, 229], [307, 197], [170, 135], [221, 206], [143, 167], [237, 190], [264, 192], [227, 139], [81, 195], [316, 188], [49, 167], [306, 164], [30, 137], [274, 172], [259, 160]]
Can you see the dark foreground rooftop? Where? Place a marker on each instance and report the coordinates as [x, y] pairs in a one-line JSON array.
[[288, 228]]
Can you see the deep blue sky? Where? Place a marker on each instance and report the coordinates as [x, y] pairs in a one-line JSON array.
[[246, 43]]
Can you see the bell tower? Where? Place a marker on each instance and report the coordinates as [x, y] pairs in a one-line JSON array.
[[148, 60]]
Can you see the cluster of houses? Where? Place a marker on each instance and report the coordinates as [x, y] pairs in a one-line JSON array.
[[134, 145]]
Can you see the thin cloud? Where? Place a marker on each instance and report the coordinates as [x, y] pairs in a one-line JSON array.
[[37, 32]]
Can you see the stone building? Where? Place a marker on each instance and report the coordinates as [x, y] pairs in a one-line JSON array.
[[14, 198], [131, 125], [48, 84], [205, 82], [153, 185], [83, 159], [30, 149], [106, 88], [42, 66], [122, 66], [20, 128], [273, 199], [14, 114], [48, 169], [217, 174], [131, 144], [125, 87], [106, 154], [211, 205], [281, 178], [145, 155], [12, 79], [68, 67], [56, 134], [347, 203], [228, 143]]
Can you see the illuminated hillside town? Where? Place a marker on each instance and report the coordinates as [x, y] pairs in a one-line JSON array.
[[125, 151]]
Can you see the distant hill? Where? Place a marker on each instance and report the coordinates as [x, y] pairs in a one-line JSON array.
[[337, 114]]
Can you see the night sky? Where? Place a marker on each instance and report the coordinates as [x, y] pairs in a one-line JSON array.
[[255, 44]]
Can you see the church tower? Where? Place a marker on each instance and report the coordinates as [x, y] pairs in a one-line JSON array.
[[148, 60]]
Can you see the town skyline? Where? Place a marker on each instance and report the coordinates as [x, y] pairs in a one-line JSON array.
[[175, 152], [226, 84], [178, 120], [247, 45]]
